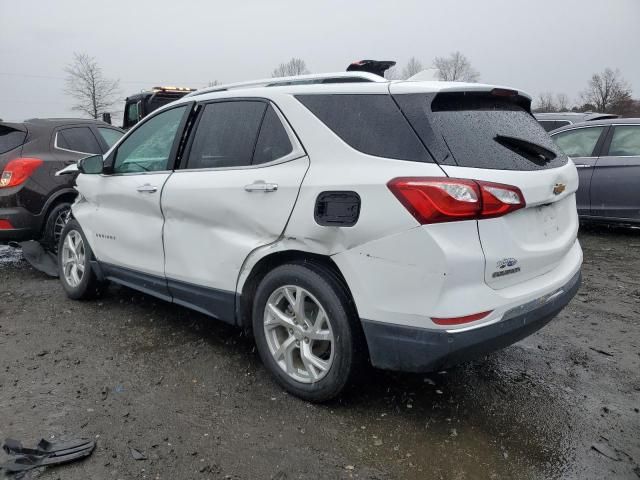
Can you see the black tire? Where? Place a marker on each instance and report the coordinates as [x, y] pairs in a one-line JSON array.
[[89, 286], [54, 226], [348, 353]]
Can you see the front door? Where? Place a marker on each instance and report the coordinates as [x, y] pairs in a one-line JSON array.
[[240, 183], [615, 186], [120, 213], [582, 145]]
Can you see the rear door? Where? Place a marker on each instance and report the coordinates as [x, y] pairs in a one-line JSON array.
[[242, 175], [121, 214], [582, 145], [492, 136], [615, 186]]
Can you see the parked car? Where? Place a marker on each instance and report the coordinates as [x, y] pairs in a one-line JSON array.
[[551, 121], [607, 155], [341, 217], [33, 201]]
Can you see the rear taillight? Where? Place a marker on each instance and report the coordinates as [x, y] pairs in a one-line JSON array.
[[18, 170], [5, 224], [441, 199]]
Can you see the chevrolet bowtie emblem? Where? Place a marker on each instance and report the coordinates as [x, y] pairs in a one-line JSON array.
[[558, 188]]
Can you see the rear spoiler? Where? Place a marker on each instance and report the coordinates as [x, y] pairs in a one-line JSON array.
[[377, 67]]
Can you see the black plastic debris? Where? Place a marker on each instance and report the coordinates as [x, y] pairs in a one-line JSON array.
[[39, 258], [137, 454], [44, 454]]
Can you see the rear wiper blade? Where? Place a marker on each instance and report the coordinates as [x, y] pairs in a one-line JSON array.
[[531, 151]]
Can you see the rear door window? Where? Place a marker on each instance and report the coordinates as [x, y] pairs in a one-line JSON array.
[[580, 142], [625, 141], [371, 124], [10, 138], [226, 134], [78, 139], [273, 142]]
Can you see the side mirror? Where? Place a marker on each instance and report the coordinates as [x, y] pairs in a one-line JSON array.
[[91, 165]]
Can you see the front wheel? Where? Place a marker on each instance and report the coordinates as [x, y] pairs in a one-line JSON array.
[[74, 268], [306, 331]]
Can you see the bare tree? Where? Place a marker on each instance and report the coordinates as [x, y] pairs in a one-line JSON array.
[[295, 66], [413, 66], [213, 83], [607, 91], [94, 94], [456, 68], [562, 102], [546, 103]]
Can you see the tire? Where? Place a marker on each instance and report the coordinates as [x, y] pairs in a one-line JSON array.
[[54, 226], [83, 285], [327, 335]]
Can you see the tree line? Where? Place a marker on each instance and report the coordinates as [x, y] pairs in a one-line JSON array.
[[606, 92]]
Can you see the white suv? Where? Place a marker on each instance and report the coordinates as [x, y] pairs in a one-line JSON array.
[[343, 218]]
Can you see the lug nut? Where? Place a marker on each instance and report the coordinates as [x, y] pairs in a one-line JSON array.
[[291, 331], [306, 339], [298, 342], [305, 327]]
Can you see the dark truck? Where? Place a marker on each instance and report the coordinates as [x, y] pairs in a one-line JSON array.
[[142, 104]]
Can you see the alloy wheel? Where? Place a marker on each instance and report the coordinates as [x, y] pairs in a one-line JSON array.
[[73, 258], [299, 334]]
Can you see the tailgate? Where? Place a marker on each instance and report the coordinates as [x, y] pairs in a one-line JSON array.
[[488, 133], [532, 241]]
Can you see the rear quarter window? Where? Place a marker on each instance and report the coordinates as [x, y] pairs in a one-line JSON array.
[[371, 124], [10, 138]]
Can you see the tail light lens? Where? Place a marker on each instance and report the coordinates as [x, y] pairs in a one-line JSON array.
[[5, 224], [18, 170], [441, 199]]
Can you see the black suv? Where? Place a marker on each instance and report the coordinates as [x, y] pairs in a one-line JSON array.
[[33, 201]]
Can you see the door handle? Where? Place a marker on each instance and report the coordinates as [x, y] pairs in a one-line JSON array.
[[146, 188], [582, 165], [261, 186]]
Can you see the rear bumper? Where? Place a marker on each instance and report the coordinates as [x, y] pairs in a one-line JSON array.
[[411, 349], [26, 226]]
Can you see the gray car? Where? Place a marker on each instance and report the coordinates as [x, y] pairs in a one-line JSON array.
[[607, 155], [552, 121]]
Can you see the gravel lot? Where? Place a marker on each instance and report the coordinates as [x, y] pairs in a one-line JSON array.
[[192, 396]]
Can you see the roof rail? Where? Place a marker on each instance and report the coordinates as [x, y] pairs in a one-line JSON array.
[[338, 77]]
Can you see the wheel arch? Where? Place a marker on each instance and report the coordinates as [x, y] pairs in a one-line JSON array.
[[63, 195], [249, 281]]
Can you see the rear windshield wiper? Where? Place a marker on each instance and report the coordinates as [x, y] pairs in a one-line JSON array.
[[531, 151]]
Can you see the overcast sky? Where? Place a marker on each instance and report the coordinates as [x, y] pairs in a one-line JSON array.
[[536, 45]]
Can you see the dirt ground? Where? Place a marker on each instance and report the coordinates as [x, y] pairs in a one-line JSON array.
[[192, 396]]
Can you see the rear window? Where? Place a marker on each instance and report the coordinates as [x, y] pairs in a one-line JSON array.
[[10, 138], [481, 130], [78, 139], [372, 124]]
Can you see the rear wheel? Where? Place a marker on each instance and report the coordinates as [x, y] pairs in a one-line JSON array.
[[54, 225], [305, 331], [74, 268]]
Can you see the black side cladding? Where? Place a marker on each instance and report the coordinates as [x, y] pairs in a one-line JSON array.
[[480, 130], [370, 123]]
